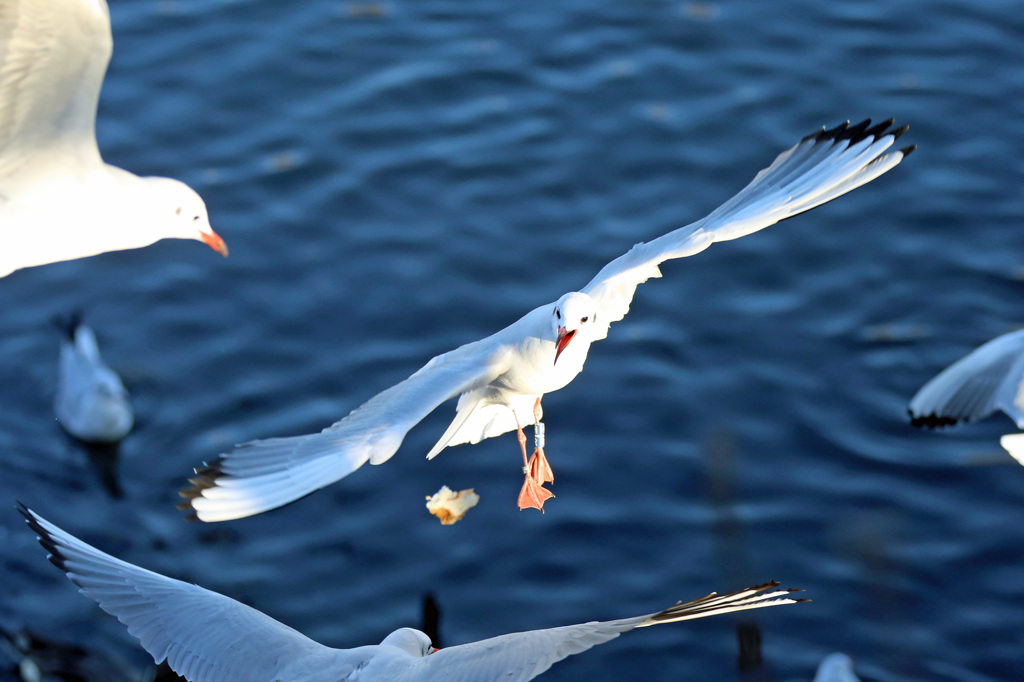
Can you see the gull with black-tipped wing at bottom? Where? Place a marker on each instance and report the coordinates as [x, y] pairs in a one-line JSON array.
[[207, 637]]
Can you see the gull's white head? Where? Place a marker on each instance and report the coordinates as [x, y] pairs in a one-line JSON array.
[[182, 213], [573, 316], [411, 641]]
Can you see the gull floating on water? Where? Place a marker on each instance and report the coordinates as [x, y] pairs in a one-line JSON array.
[[92, 403], [989, 378], [58, 199], [501, 379], [207, 637]]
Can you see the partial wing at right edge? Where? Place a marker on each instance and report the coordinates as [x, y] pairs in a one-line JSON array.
[[987, 379]]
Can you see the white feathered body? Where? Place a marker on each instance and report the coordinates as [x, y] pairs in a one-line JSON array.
[[530, 371], [44, 222]]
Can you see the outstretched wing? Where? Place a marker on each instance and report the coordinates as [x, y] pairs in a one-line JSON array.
[[821, 167], [265, 474], [204, 636], [987, 379], [522, 656], [53, 55]]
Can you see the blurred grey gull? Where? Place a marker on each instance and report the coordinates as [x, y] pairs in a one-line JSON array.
[[207, 637], [989, 378], [501, 379], [91, 403], [58, 199]]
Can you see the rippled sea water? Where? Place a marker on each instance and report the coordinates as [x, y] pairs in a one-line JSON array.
[[397, 178]]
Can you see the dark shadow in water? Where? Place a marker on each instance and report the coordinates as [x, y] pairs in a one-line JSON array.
[[432, 619], [720, 470], [104, 459]]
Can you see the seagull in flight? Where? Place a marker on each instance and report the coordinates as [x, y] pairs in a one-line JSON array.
[[92, 403], [58, 199], [989, 378], [206, 637], [501, 379]]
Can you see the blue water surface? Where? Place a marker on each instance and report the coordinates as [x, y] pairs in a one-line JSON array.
[[399, 177]]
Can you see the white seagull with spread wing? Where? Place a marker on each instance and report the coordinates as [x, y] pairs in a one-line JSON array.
[[58, 199], [207, 637], [501, 379]]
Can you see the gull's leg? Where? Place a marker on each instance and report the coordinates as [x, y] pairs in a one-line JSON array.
[[522, 444], [532, 495], [540, 470]]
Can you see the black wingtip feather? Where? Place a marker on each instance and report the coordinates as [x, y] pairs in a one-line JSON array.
[[816, 135], [834, 133], [205, 478], [906, 151], [55, 555], [856, 133], [879, 130], [931, 421]]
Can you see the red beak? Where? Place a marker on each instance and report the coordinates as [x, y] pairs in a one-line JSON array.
[[213, 240], [562, 341]]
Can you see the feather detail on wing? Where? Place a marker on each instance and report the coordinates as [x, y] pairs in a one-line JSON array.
[[521, 656], [266, 474], [204, 636], [989, 378], [821, 167], [53, 56]]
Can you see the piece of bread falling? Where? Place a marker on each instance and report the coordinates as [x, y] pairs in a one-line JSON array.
[[451, 507]]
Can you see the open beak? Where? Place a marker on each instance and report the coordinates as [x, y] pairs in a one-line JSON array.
[[562, 341], [213, 240]]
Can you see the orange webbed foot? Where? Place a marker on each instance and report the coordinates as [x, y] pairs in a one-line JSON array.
[[540, 470], [533, 495]]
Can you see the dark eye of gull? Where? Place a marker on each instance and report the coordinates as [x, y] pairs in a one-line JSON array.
[[584, 319]]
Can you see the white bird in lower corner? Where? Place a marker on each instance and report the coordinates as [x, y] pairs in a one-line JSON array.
[[207, 637], [92, 403], [837, 667], [58, 199], [989, 378], [502, 378]]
